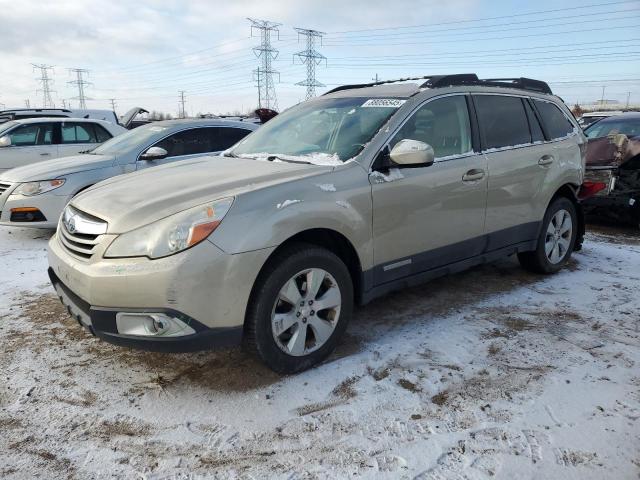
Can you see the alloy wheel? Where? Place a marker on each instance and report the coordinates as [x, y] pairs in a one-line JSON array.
[[558, 236], [306, 312]]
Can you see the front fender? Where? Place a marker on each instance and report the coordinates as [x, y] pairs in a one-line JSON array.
[[339, 200]]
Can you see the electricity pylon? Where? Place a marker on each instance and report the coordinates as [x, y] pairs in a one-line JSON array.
[[264, 74], [311, 57]]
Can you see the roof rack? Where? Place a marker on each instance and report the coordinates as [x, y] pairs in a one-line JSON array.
[[9, 110], [441, 81]]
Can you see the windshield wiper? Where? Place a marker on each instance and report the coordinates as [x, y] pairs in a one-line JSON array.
[[271, 158], [229, 154]]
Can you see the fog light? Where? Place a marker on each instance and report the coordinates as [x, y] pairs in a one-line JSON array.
[[151, 325]]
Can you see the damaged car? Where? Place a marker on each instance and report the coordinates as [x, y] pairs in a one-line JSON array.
[[612, 177], [332, 203]]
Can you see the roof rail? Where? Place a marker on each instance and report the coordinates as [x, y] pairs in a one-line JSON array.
[[522, 83], [441, 81], [372, 84], [9, 110]]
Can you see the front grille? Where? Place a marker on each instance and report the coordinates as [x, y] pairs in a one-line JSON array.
[[4, 187], [83, 240]]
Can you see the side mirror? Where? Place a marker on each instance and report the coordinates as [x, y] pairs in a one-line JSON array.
[[412, 153], [154, 153], [5, 141]]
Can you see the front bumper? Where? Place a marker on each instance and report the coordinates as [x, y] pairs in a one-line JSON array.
[[102, 323], [49, 205], [202, 286]]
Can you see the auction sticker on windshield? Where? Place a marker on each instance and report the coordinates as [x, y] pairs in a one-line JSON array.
[[384, 102]]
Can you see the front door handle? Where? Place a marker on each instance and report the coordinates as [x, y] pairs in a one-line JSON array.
[[473, 175], [45, 154], [545, 160]]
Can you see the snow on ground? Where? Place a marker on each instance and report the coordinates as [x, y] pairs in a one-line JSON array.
[[491, 373]]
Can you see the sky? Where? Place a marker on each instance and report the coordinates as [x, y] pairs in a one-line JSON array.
[[144, 53]]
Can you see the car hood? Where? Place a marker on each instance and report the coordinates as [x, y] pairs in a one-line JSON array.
[[57, 167], [131, 201]]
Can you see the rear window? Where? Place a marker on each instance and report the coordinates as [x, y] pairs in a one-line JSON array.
[[503, 121], [556, 122], [614, 125]]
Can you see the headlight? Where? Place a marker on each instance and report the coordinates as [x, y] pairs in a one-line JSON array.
[[36, 188], [171, 234]]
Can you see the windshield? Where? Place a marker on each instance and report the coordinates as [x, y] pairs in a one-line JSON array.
[[627, 126], [6, 126], [133, 138], [324, 129]]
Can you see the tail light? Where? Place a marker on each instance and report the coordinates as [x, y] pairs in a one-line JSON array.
[[589, 189]]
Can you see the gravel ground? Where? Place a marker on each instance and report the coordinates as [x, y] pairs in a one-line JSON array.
[[492, 373]]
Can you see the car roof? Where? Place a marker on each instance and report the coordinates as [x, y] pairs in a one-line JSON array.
[[602, 114], [621, 116], [205, 122]]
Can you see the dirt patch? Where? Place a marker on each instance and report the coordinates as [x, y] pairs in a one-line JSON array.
[[84, 399], [10, 423], [517, 324], [340, 395], [345, 389], [380, 373], [408, 385], [615, 234], [126, 427], [440, 398]]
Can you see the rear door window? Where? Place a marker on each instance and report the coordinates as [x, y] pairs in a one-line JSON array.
[[503, 121], [556, 122], [78, 133], [442, 123], [187, 142], [225, 137], [32, 134], [534, 125], [101, 134]]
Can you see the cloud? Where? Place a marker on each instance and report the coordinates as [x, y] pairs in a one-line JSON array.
[[206, 42]]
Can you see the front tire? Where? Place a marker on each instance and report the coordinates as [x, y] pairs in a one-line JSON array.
[[556, 241], [299, 308]]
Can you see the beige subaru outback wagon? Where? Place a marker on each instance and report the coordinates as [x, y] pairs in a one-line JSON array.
[[340, 199]]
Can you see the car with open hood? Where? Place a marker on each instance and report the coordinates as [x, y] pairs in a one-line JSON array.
[[35, 195], [336, 201]]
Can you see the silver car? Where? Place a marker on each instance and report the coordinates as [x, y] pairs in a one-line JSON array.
[[336, 201], [35, 195]]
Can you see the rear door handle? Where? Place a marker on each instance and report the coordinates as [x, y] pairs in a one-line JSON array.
[[473, 175], [545, 160], [45, 154]]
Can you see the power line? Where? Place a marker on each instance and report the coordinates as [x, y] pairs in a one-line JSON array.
[[493, 28], [479, 39], [45, 82], [266, 53], [539, 12], [80, 83], [311, 57]]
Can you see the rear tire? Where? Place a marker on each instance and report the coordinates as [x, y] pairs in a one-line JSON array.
[[300, 306], [556, 241]]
